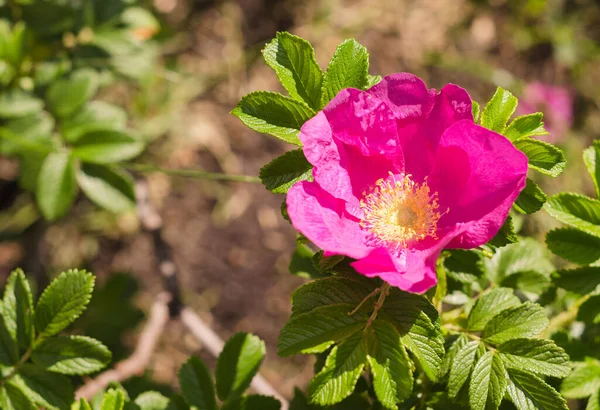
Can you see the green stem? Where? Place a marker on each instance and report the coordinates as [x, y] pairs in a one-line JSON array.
[[192, 173], [362, 302], [17, 366]]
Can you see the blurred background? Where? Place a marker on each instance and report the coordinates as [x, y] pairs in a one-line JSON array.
[[228, 239]]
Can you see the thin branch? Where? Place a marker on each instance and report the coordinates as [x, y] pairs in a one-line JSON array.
[[192, 173], [136, 364]]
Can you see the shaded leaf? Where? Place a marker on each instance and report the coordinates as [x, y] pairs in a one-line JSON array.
[[575, 210], [574, 245], [49, 390], [108, 187], [279, 175], [581, 280], [107, 146], [56, 187], [197, 385], [531, 199]]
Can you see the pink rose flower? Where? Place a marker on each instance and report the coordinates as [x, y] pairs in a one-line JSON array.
[[555, 102], [400, 173]]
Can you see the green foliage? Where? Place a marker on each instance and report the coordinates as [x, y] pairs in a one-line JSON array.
[[284, 171], [543, 157], [197, 385], [498, 110], [531, 199]]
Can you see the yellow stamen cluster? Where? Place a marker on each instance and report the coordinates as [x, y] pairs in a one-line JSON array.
[[399, 211]]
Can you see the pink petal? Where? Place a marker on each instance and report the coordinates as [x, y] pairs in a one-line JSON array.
[[405, 94], [324, 221], [478, 175]]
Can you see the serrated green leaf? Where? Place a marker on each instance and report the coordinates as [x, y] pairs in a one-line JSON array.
[[349, 67], [451, 353], [531, 199], [498, 110], [372, 80], [583, 381], [93, 116], [9, 351], [56, 187], [342, 369], [538, 356], [417, 321], [237, 364], [489, 305], [12, 398], [197, 385], [576, 210], [462, 366], [73, 355], [108, 187], [525, 255], [581, 280], [488, 383], [113, 400], [592, 163], [506, 235], [543, 157], [279, 175], [594, 401], [293, 60], [50, 390], [327, 264], [18, 309], [529, 392], [107, 146], [391, 369], [328, 291], [152, 400], [272, 113], [66, 95], [526, 320], [314, 331], [63, 301], [574, 245], [16, 103], [526, 126], [464, 261]]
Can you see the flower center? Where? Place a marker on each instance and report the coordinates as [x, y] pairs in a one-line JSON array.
[[399, 211]]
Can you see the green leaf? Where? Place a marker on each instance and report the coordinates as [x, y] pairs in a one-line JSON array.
[[73, 355], [451, 353], [529, 392], [18, 309], [50, 390], [253, 402], [390, 366], [417, 321], [349, 67], [526, 320], [107, 146], [63, 301], [82, 404], [314, 331], [592, 163], [529, 282], [30, 167], [531, 199], [498, 110], [526, 126], [26, 134], [328, 291], [66, 95], [538, 356], [581, 280], [574, 245], [589, 311], [93, 116], [279, 175], [9, 351], [583, 381], [108, 187], [12, 398], [293, 60], [505, 235], [488, 383], [16, 103], [113, 400], [237, 364], [301, 262], [272, 113], [342, 369], [461, 368], [489, 305], [543, 157], [525, 255], [197, 385], [594, 401], [372, 80], [475, 110], [56, 187], [576, 210], [152, 400]]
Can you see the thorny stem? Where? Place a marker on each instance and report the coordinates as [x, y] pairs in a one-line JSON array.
[[17, 366], [383, 293], [192, 173], [362, 302]]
